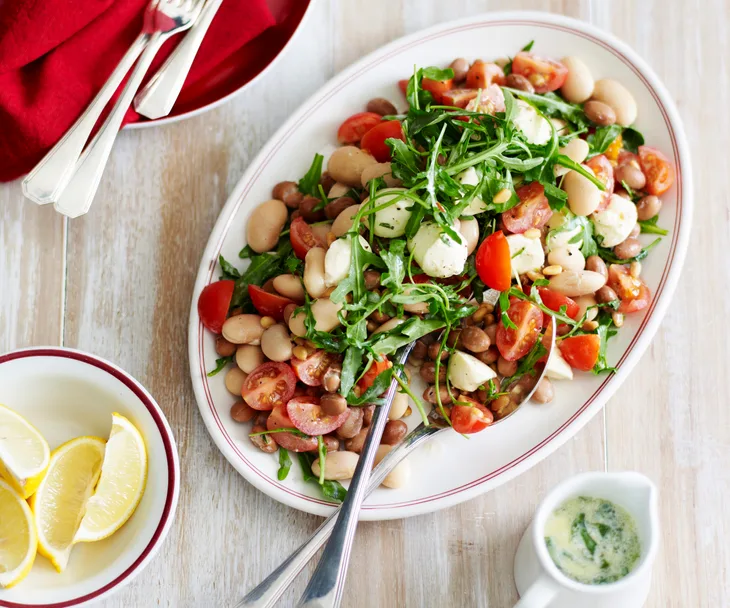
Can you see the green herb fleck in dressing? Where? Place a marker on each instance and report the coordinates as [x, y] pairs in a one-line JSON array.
[[592, 540]]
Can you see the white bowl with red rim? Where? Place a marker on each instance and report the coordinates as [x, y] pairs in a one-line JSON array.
[[453, 469], [67, 393]]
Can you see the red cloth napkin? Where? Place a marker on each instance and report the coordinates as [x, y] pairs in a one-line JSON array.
[[56, 55]]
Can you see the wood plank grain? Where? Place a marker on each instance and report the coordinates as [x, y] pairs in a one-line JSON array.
[[669, 420], [31, 272]]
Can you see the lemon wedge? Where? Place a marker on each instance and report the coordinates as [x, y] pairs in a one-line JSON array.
[[18, 539], [59, 504], [24, 453], [122, 483]]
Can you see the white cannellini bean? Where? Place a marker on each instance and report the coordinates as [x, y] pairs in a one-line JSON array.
[[379, 170], [324, 312], [581, 283], [346, 164], [289, 286], [584, 303], [577, 150], [337, 465], [400, 475], [616, 95], [583, 195], [388, 325], [249, 357], [243, 329], [234, 380], [314, 272], [578, 85], [570, 258], [399, 406], [276, 344], [265, 224], [343, 222]]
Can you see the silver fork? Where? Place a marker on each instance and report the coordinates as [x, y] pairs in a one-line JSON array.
[[157, 97], [268, 591], [163, 19]]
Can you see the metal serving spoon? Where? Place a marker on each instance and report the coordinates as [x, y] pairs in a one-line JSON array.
[[268, 591]]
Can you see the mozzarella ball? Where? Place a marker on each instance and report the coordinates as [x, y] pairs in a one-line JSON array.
[[616, 221], [436, 252]]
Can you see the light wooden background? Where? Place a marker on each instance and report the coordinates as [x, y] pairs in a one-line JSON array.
[[118, 283]]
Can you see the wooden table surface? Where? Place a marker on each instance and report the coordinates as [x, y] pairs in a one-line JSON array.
[[118, 283]]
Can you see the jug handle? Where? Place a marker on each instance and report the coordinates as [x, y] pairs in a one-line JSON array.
[[539, 594]]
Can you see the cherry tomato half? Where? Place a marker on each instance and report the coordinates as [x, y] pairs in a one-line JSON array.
[[377, 368], [555, 301], [279, 419], [603, 170], [302, 238], [459, 98], [544, 74], [581, 352], [213, 304], [467, 419], [494, 263], [516, 343], [403, 85], [481, 74], [533, 211], [268, 304], [632, 291], [311, 370], [269, 385], [658, 170], [437, 88], [352, 130], [374, 140], [309, 418]]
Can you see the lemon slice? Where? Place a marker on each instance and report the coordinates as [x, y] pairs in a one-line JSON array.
[[18, 539], [122, 483], [24, 453], [59, 503]]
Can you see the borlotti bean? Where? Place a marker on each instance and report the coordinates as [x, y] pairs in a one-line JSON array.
[[463, 233]]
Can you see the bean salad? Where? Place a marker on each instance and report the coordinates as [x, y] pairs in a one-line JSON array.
[[508, 196]]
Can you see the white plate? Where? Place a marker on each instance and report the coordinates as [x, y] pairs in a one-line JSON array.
[[66, 393], [455, 469]]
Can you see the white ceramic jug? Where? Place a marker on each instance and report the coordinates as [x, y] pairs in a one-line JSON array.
[[540, 583]]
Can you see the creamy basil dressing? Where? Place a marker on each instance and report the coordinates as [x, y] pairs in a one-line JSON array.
[[592, 540]]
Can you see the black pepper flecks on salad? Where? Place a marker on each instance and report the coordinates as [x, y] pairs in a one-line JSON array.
[[508, 196]]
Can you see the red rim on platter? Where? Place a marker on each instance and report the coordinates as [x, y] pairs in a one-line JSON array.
[[173, 475], [241, 68], [663, 287]]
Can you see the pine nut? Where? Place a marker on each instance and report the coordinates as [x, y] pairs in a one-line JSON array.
[[299, 352], [532, 233], [590, 325], [502, 196], [267, 322], [618, 318], [409, 411], [635, 269], [551, 271], [533, 275]]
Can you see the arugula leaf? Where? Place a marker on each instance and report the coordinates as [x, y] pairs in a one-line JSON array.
[[605, 330], [411, 330], [526, 365], [330, 489], [284, 464], [603, 138], [565, 161], [246, 253], [552, 105], [322, 451], [609, 256], [632, 139], [229, 270], [434, 73], [310, 182], [649, 226], [220, 365], [263, 267], [350, 365], [556, 197], [394, 259], [528, 47], [504, 307], [372, 394]]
